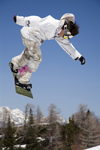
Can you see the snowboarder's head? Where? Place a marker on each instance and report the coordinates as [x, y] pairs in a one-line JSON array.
[[68, 21], [73, 28]]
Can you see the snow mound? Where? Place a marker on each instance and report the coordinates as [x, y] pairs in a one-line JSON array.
[[94, 148]]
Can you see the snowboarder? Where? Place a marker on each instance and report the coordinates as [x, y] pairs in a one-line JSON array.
[[35, 30]]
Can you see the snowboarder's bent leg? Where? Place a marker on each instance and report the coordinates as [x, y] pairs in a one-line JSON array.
[[33, 65], [33, 56]]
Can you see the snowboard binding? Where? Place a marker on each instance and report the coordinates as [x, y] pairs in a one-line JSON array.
[[24, 86]]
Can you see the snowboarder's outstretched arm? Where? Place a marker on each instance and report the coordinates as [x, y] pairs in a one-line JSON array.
[[27, 21], [69, 49]]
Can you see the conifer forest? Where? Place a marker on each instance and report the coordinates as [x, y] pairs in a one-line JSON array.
[[81, 131]]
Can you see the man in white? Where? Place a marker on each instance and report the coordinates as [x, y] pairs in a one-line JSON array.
[[36, 30]]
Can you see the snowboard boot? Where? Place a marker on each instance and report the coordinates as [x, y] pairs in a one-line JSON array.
[[24, 86], [12, 68]]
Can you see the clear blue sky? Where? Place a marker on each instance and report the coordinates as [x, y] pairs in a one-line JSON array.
[[59, 79]]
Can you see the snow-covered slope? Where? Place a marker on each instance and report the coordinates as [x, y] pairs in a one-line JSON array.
[[17, 116], [94, 148]]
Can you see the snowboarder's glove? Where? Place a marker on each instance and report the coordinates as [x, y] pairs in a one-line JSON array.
[[14, 18], [82, 60]]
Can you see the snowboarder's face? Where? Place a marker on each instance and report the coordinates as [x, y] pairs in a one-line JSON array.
[[61, 33]]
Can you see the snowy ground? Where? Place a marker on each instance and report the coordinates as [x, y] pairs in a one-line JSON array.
[[94, 148], [23, 146]]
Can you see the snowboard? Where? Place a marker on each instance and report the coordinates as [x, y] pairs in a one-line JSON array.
[[20, 90]]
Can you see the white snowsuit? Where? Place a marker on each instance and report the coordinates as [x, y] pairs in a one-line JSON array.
[[35, 30]]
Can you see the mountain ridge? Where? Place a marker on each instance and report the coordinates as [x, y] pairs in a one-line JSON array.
[[17, 116]]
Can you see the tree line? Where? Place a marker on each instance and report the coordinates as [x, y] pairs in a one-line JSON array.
[[80, 132]]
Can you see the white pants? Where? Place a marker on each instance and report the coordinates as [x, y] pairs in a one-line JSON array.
[[31, 56]]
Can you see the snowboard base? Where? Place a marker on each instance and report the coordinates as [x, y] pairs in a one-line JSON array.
[[23, 92], [20, 90]]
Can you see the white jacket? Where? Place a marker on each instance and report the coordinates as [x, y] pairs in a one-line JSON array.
[[39, 29]]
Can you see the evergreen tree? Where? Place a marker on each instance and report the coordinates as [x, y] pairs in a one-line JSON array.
[[0, 144], [71, 130], [30, 134], [63, 134], [9, 139]]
